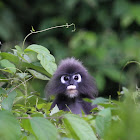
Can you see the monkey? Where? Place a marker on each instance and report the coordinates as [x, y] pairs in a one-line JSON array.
[[70, 84]]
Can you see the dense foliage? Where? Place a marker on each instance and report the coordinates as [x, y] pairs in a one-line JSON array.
[[25, 115]]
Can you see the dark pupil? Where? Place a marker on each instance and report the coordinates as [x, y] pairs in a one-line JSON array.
[[76, 78], [66, 78]]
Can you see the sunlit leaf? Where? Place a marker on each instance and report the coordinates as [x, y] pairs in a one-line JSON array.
[[46, 59]]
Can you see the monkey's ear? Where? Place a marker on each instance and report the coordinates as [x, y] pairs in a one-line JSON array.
[[88, 87]]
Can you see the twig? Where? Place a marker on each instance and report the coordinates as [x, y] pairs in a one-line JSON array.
[[60, 26], [127, 63], [19, 85], [60, 117]]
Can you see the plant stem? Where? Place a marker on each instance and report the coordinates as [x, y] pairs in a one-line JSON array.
[[35, 32]]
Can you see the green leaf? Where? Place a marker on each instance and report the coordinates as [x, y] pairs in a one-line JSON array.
[[25, 123], [79, 129], [22, 75], [19, 49], [37, 68], [99, 100], [9, 127], [30, 137], [47, 63], [2, 91], [32, 56], [54, 110], [38, 75], [33, 29], [103, 121], [12, 58], [23, 65], [43, 129], [8, 65], [7, 103], [38, 49], [46, 59]]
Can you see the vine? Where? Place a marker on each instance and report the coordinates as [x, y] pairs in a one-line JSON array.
[[127, 63], [40, 31]]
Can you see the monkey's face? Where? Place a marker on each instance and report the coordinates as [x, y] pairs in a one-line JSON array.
[[71, 82], [72, 79]]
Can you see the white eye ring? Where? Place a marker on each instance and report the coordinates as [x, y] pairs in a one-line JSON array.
[[77, 77], [64, 79]]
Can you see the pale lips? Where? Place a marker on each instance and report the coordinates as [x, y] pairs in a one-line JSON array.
[[72, 91], [71, 87]]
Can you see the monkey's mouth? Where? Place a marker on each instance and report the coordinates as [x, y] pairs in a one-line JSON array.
[[72, 91]]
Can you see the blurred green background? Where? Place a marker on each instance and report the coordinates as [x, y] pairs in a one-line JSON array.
[[107, 35]]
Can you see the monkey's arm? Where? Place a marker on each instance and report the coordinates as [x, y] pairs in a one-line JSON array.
[[53, 104], [59, 102], [87, 107]]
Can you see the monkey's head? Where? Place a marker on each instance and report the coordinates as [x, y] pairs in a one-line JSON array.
[[72, 79]]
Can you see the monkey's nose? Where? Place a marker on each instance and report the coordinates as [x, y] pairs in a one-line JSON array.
[[71, 87]]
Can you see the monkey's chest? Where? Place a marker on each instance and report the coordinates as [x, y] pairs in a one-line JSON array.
[[75, 108]]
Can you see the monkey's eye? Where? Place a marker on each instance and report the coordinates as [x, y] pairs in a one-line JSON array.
[[64, 78], [77, 77]]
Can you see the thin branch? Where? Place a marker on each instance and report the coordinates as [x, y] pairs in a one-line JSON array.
[[60, 26], [60, 117], [19, 85], [127, 63]]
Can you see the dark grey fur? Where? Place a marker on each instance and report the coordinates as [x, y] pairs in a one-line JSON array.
[[86, 88]]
